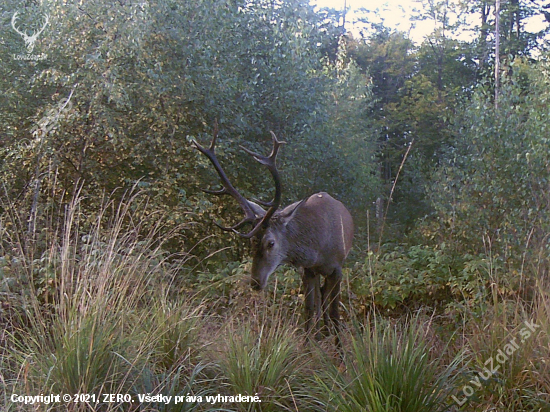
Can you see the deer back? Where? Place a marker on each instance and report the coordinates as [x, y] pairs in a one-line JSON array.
[[320, 234]]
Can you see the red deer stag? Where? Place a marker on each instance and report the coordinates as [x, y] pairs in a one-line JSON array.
[[315, 233]]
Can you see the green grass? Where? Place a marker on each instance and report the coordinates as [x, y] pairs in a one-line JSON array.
[[264, 356], [521, 379], [389, 368], [107, 325]]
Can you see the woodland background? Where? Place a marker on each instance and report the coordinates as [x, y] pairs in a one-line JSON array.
[[113, 278]]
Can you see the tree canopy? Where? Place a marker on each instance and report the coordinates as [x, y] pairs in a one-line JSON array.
[[116, 92]]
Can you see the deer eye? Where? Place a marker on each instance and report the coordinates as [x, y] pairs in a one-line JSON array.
[[270, 244]]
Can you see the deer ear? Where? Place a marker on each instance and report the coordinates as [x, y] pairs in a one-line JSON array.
[[257, 209], [289, 212]]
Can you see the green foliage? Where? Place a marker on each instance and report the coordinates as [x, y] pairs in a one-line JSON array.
[[490, 194], [113, 328], [176, 327], [423, 275], [84, 358], [516, 37], [99, 332], [415, 90], [501, 338], [348, 164], [125, 87], [90, 270], [181, 383]]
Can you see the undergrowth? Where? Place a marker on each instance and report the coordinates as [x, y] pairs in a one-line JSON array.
[[101, 309]]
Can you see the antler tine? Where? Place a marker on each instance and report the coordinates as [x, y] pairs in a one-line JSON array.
[[214, 136], [210, 151], [271, 163], [270, 160], [262, 202], [220, 192], [234, 227]]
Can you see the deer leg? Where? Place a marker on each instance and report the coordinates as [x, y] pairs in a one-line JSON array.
[[324, 307], [312, 299], [331, 302]]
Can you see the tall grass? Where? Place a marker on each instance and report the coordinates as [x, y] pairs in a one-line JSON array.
[[107, 325], [519, 379], [264, 356], [389, 368]]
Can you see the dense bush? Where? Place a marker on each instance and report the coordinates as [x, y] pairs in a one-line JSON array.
[[491, 193], [422, 275]]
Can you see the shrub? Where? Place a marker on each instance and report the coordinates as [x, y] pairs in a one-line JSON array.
[[426, 275]]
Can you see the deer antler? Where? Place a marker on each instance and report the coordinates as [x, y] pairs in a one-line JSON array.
[[253, 212], [271, 163]]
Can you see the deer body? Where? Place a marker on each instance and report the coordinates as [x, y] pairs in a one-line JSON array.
[[315, 234]]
